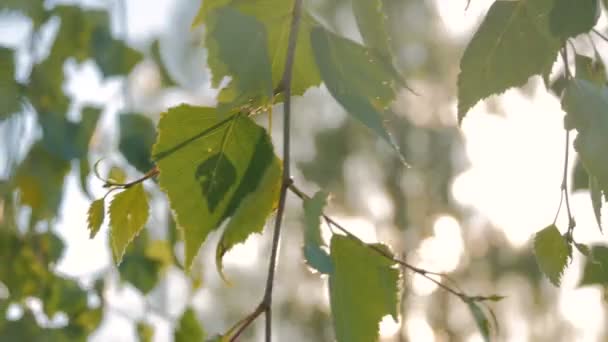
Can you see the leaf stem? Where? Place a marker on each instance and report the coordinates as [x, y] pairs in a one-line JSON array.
[[150, 174]]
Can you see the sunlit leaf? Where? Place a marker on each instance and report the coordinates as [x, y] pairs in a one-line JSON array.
[[128, 215], [570, 18], [371, 21], [209, 164], [363, 288], [137, 135], [596, 267], [585, 104], [10, 90], [253, 209], [276, 17], [189, 328], [315, 256], [95, 217], [512, 44], [552, 252], [360, 79], [238, 48]]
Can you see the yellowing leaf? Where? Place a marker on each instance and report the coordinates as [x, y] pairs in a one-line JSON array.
[[552, 252], [512, 44], [128, 215], [363, 288], [95, 217], [209, 165]]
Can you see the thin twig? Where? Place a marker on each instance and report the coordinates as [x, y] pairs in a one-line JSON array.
[[564, 186], [152, 173], [600, 34], [424, 273]]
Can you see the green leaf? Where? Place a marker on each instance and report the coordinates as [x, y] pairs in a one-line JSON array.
[[360, 79], [552, 252], [113, 56], [239, 45], [512, 44], [209, 164], [254, 204], [128, 215], [34, 9], [482, 321], [276, 17], [189, 328], [95, 217], [145, 332], [362, 289], [596, 267], [66, 295], [140, 271], [137, 135], [165, 76], [583, 249], [595, 192], [590, 70], [11, 99], [315, 256], [570, 18], [585, 104], [371, 21]]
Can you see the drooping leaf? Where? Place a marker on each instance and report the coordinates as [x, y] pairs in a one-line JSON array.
[[276, 16], [371, 21], [552, 252], [128, 215], [482, 321], [570, 18], [360, 79], [10, 90], [596, 267], [363, 288], [137, 135], [253, 209], [512, 44], [585, 104], [239, 44], [95, 217], [315, 256], [595, 193], [209, 164], [189, 328]]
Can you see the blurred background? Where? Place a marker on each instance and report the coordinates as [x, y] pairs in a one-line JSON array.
[[474, 197]]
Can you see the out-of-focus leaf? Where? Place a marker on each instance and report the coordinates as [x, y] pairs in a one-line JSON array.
[[218, 161], [65, 295], [570, 18], [482, 321], [137, 135], [512, 44], [128, 215], [552, 252], [591, 70], [48, 245], [34, 9], [585, 104], [165, 76], [39, 179], [580, 178], [140, 271], [160, 251], [583, 249], [113, 56], [95, 217], [596, 268], [88, 320], [371, 21], [362, 289], [315, 256], [145, 332], [189, 328], [116, 175], [595, 193], [238, 48], [360, 79], [10, 91]]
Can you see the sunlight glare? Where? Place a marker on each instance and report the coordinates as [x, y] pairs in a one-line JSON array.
[[418, 329]]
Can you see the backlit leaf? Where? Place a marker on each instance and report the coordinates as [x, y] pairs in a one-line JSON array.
[[189, 328], [209, 164], [315, 256], [360, 79], [585, 104], [95, 217], [371, 21], [363, 288], [482, 321], [512, 44], [128, 215], [596, 267], [552, 252]]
